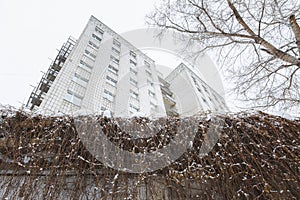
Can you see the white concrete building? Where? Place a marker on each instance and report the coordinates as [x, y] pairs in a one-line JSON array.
[[191, 93], [103, 71]]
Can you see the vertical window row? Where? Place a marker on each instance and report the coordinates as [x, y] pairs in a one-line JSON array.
[[83, 79], [94, 43], [134, 105], [151, 88], [111, 79], [133, 64], [98, 34], [115, 51]]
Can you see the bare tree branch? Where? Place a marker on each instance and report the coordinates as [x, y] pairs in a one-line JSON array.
[[296, 30], [257, 41]]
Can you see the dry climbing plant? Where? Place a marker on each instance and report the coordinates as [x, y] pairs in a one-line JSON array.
[[257, 156]]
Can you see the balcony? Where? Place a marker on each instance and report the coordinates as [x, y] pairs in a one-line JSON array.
[[166, 90], [169, 100], [44, 87], [62, 58], [36, 101], [163, 82], [51, 77], [56, 67], [172, 113]]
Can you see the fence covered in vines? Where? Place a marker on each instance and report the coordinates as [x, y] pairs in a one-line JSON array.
[[256, 156]]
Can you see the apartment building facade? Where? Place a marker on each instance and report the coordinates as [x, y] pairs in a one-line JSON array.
[[103, 71], [191, 93]]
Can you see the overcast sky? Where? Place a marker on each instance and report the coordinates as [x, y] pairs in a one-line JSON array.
[[33, 30]]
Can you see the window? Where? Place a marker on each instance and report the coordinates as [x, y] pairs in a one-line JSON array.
[[133, 71], [150, 82], [93, 45], [148, 73], [73, 98], [151, 88], [96, 37], [116, 43], [132, 63], [99, 30], [133, 82], [114, 59], [108, 95], [217, 100], [111, 81], [205, 89], [90, 55], [113, 69], [195, 81], [80, 80], [152, 106], [132, 54], [85, 66], [199, 90], [151, 94], [147, 64], [115, 50], [134, 94], [133, 108]]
